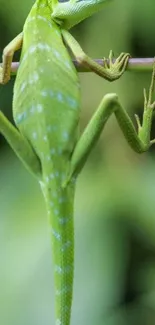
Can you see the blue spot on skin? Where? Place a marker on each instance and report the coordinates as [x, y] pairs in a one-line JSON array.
[[65, 136], [45, 138], [48, 158], [57, 174], [60, 97], [67, 64], [64, 269], [66, 245], [73, 180], [53, 151], [57, 54], [49, 128], [24, 84], [64, 290], [44, 93], [52, 176], [56, 234], [62, 200], [56, 212], [34, 135], [72, 102], [39, 108], [47, 179], [21, 117], [58, 322], [63, 220], [32, 109], [58, 269], [66, 308], [32, 48]]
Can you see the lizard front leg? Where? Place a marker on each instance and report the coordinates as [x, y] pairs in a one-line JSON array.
[[20, 145], [5, 70], [109, 71], [138, 141]]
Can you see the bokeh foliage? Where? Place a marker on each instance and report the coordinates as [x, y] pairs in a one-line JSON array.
[[115, 198]]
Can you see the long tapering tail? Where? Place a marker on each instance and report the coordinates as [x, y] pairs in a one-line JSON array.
[[59, 202]]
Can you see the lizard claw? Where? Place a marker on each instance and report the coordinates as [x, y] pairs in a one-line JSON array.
[[148, 104], [138, 122], [116, 68]]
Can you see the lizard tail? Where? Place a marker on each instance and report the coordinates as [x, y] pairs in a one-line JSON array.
[[60, 214]]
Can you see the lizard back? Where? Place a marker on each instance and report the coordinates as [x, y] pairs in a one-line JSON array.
[[46, 110], [46, 93]]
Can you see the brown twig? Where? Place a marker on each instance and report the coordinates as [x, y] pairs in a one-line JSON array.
[[139, 64]]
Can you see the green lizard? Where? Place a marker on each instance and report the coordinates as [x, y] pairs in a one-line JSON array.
[[46, 109]]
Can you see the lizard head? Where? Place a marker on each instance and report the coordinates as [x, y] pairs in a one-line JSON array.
[[70, 13]]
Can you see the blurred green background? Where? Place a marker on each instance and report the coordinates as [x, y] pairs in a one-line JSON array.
[[115, 197]]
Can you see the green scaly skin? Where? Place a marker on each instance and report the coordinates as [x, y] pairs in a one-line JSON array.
[[46, 109], [49, 120]]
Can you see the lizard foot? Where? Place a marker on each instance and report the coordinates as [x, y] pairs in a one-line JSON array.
[[149, 106], [117, 68]]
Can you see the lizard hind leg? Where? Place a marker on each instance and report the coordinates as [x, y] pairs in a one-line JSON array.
[[138, 141], [21, 146]]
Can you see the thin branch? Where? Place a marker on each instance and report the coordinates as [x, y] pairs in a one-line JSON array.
[[139, 64]]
